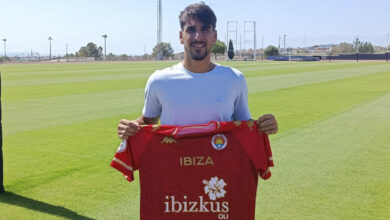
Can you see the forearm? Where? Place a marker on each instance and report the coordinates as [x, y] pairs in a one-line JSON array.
[[142, 120]]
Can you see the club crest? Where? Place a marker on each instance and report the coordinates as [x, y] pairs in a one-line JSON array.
[[219, 141]]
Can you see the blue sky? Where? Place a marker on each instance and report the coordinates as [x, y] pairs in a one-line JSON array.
[[131, 24]]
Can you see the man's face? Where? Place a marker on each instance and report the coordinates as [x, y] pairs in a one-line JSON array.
[[198, 39]]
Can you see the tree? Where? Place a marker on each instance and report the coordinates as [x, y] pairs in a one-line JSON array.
[[271, 51], [231, 50], [162, 50], [110, 57], [363, 47], [357, 44], [366, 48], [343, 48], [218, 48], [91, 50], [124, 57]]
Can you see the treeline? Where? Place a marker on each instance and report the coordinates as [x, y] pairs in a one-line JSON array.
[[356, 47], [161, 51]]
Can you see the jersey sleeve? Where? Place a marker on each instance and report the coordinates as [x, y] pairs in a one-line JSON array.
[[241, 109], [258, 149], [123, 161], [265, 172], [152, 106]]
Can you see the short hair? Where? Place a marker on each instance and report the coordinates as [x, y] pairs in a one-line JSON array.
[[199, 11]]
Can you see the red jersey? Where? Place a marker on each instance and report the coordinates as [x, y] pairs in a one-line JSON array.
[[197, 172]]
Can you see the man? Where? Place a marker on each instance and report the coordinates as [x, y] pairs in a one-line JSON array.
[[195, 91]]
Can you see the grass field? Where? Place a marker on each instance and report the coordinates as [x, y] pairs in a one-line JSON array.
[[332, 153]]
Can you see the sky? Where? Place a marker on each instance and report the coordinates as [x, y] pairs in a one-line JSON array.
[[131, 25]]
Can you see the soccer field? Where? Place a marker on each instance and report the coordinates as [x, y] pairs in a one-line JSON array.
[[332, 152]]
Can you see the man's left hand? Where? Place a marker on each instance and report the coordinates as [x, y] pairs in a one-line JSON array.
[[267, 124]]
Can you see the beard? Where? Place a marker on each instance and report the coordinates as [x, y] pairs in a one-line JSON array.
[[196, 53]]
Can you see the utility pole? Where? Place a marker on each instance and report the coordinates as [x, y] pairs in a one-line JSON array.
[[5, 53], [105, 37], [50, 47]]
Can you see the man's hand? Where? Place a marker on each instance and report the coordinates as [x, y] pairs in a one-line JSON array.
[[127, 128], [267, 124]]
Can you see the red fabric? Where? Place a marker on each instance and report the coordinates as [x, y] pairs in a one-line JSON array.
[[197, 172]]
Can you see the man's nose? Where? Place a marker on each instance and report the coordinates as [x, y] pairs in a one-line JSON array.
[[197, 34]]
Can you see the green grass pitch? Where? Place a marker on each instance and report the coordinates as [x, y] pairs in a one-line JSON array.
[[332, 152]]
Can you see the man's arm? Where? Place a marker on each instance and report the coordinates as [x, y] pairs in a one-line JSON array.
[[127, 128]]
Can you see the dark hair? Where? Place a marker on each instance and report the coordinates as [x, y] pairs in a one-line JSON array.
[[199, 11]]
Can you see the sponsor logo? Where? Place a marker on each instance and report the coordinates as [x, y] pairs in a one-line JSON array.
[[196, 161], [122, 147], [214, 189], [219, 141], [168, 140]]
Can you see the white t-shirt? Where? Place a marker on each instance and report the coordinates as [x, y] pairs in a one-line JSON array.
[[181, 97]]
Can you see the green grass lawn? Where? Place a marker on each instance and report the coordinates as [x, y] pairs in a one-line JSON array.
[[331, 154]]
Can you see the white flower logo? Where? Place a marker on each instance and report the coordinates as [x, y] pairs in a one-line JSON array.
[[214, 188]]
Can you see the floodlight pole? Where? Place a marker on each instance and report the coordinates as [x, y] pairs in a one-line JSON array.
[[279, 49], [262, 48], [105, 37], [284, 43], [254, 39], [240, 46], [5, 53], [159, 21], [50, 47], [357, 49], [387, 40], [66, 51], [229, 30]]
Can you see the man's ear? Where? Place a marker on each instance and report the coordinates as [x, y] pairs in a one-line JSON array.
[[215, 36], [181, 37]]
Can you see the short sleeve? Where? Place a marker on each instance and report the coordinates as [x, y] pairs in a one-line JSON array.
[[123, 161], [152, 106], [257, 147], [241, 109], [265, 172]]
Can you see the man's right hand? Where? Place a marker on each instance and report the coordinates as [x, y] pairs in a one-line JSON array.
[[127, 128]]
